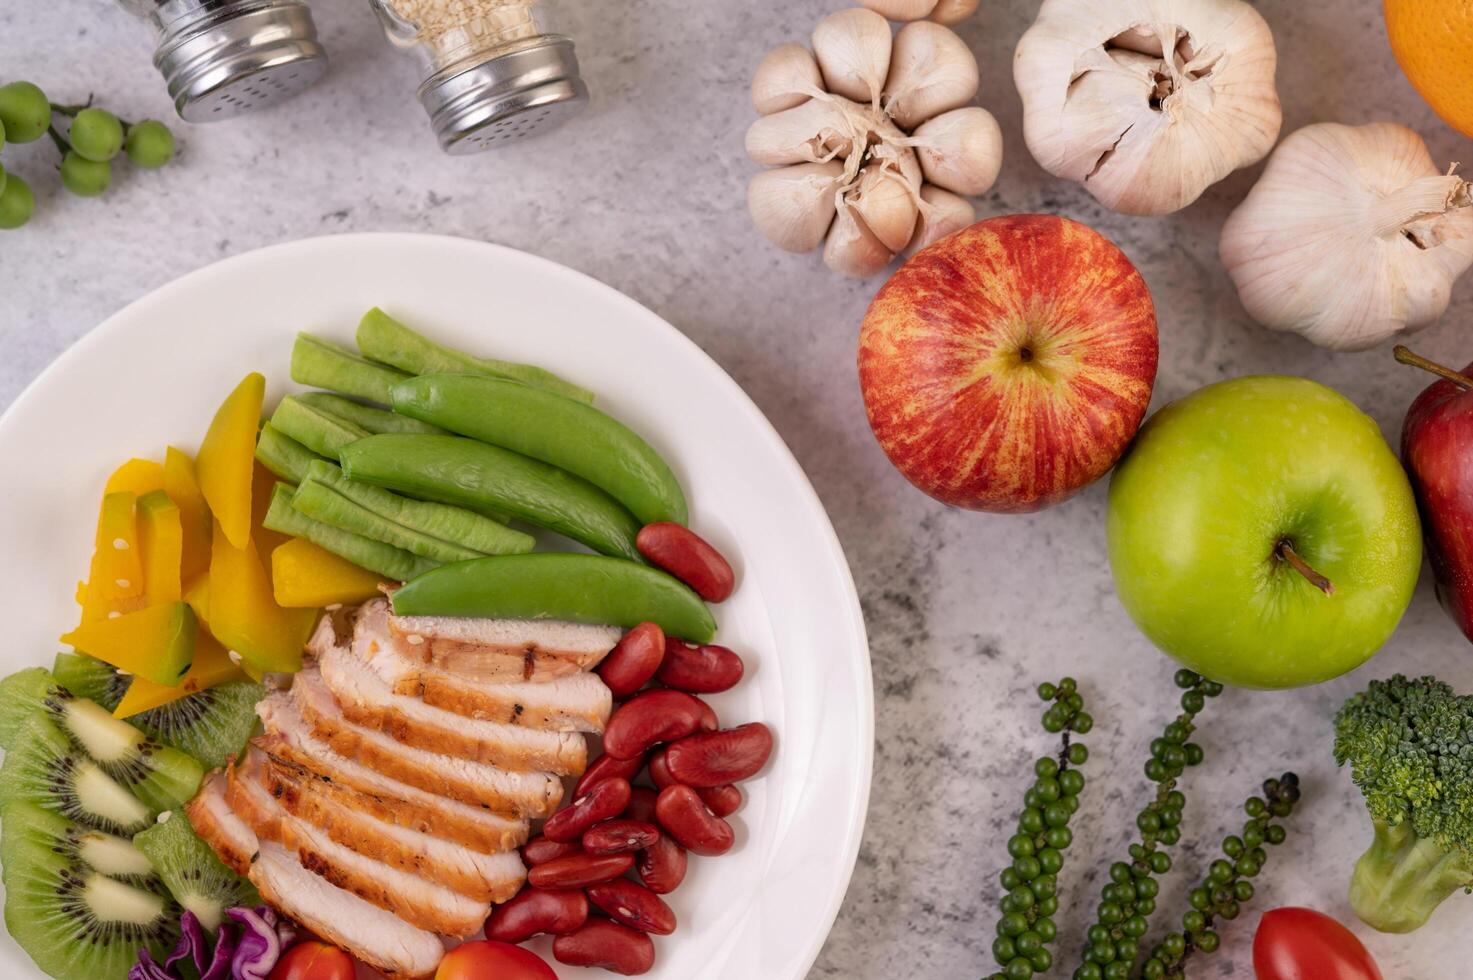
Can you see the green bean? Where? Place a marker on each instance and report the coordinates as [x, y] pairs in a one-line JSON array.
[[324, 434], [322, 503], [320, 363], [394, 563], [283, 455], [367, 417]]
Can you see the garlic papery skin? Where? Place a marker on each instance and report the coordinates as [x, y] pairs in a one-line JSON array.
[[886, 203], [853, 51], [851, 248], [1352, 236], [794, 206], [818, 130], [901, 9], [1147, 102], [786, 78], [960, 150], [941, 213], [950, 12], [931, 70]]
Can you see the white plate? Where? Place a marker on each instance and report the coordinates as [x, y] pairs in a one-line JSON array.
[[154, 373]]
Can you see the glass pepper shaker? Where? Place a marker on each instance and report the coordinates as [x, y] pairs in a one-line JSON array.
[[491, 71], [222, 58]]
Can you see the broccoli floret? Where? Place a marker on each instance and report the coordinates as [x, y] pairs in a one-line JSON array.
[[1410, 748]]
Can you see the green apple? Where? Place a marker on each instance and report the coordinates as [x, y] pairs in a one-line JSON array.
[[1263, 533]]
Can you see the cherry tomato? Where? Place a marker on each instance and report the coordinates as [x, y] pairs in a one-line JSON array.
[[314, 961], [1302, 944], [485, 960]]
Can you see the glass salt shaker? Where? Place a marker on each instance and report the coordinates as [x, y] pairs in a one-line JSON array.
[[490, 70], [221, 58]]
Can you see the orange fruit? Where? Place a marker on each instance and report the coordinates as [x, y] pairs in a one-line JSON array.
[[1433, 43]]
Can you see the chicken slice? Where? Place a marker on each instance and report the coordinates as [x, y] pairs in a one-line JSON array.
[[420, 902], [289, 741], [484, 877], [463, 645], [367, 700], [218, 826]]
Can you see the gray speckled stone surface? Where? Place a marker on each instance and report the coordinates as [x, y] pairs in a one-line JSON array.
[[966, 612]]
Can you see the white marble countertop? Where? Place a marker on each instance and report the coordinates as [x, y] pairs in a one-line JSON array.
[[966, 612]]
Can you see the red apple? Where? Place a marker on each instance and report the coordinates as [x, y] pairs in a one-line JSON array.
[[1437, 449], [1007, 366]]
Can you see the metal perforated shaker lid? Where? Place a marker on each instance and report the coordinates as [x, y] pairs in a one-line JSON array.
[[238, 57], [505, 98]]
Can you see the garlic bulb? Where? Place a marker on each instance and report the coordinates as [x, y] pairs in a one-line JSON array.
[[901, 9], [1351, 236], [853, 51], [1147, 102], [786, 78], [954, 11], [960, 150], [858, 128], [941, 213], [931, 70], [794, 206]]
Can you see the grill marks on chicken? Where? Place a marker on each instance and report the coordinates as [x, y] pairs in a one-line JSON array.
[[384, 803]]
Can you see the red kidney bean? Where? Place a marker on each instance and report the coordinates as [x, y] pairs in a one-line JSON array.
[[580, 870], [723, 801], [653, 717], [684, 817], [633, 905], [641, 804], [607, 767], [619, 836], [686, 555], [661, 866], [607, 944], [709, 721], [634, 661], [718, 758], [534, 911], [660, 771], [699, 670], [606, 799], [540, 850]]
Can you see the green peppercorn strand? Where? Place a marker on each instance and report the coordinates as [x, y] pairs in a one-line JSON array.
[[1127, 901], [1226, 886], [1026, 928]]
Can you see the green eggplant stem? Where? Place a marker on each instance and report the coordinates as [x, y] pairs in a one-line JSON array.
[[1405, 355], [1285, 552]]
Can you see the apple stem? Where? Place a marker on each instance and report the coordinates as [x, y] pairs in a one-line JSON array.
[[1405, 356], [1285, 552]]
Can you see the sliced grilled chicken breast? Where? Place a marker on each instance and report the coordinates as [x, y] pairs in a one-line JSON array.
[[289, 741], [420, 902], [459, 644], [375, 935], [483, 877], [527, 794], [366, 699]]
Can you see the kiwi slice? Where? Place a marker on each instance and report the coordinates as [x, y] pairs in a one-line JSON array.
[[162, 777], [190, 870], [115, 857], [210, 725], [75, 921], [43, 767]]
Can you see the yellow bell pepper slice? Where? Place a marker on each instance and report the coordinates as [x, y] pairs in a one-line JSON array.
[[156, 642], [243, 614], [160, 547], [227, 458], [267, 540], [115, 578], [197, 594], [194, 514], [306, 576], [137, 476], [212, 666]]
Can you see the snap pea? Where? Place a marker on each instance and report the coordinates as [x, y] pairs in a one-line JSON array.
[[563, 586], [324, 434], [383, 338], [481, 534], [571, 435], [322, 364], [391, 562], [365, 416], [484, 478], [283, 455], [322, 503]]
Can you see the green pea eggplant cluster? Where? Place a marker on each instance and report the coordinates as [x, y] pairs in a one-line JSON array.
[[415, 458]]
